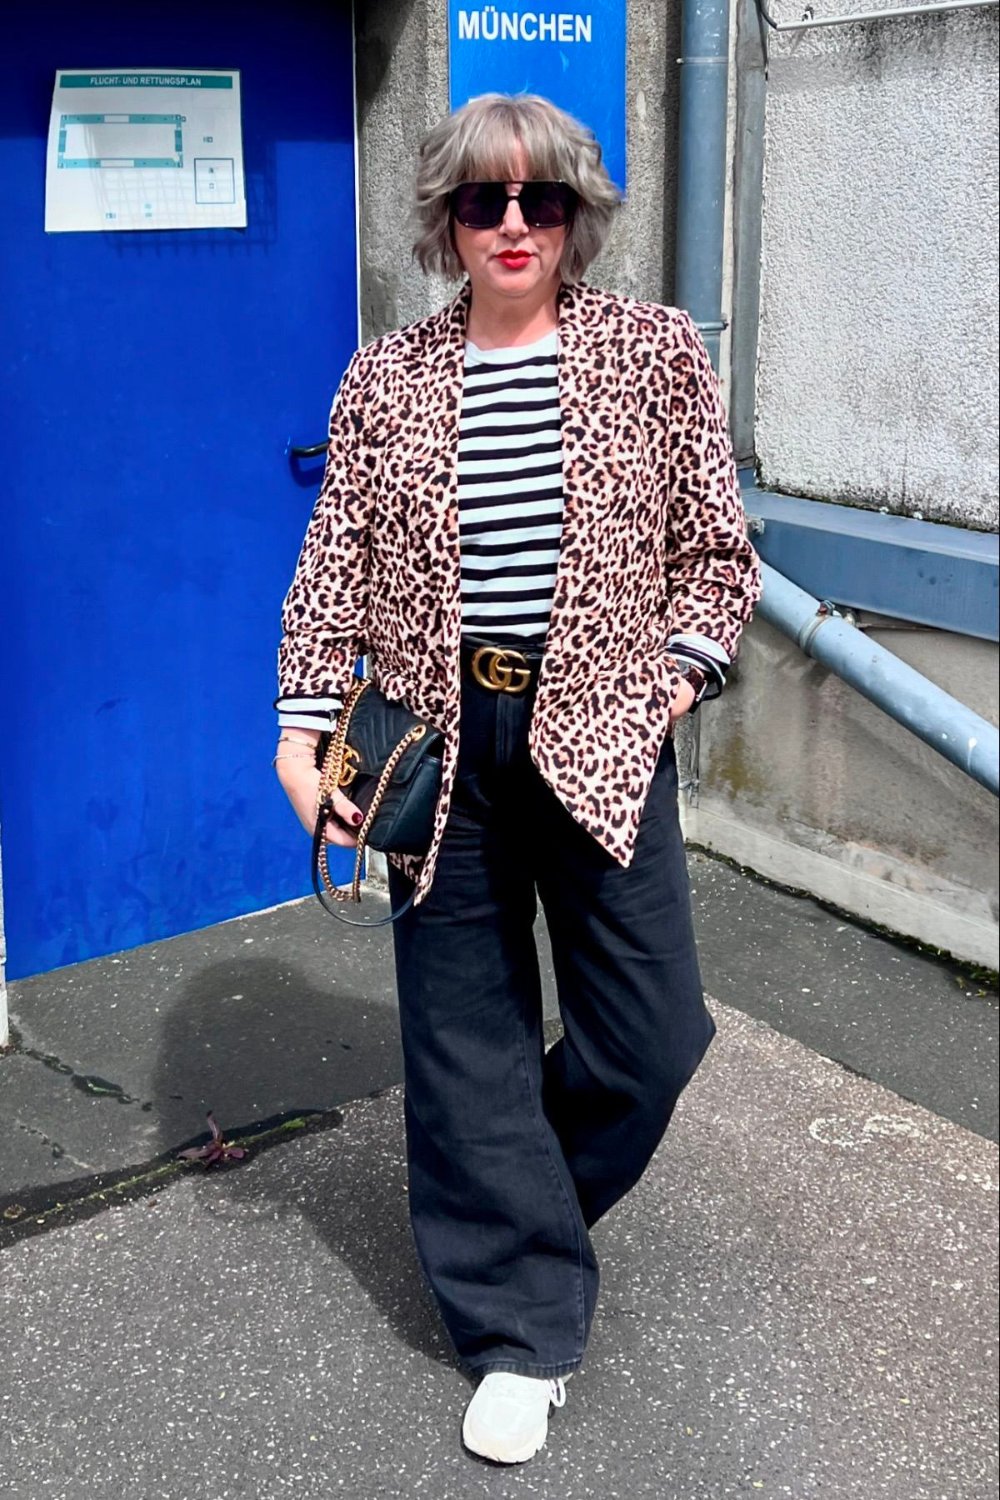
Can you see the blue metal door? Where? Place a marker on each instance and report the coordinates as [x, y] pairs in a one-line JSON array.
[[151, 515]]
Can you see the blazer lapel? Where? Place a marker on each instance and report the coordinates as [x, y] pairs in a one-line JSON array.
[[435, 470], [437, 380], [588, 393]]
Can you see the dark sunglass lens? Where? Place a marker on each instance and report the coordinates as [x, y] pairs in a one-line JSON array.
[[546, 205], [479, 205]]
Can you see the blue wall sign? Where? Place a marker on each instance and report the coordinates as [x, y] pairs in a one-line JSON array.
[[574, 56]]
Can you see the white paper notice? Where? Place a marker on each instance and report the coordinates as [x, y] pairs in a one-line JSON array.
[[145, 149]]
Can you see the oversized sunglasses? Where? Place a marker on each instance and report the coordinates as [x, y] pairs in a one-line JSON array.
[[483, 205]]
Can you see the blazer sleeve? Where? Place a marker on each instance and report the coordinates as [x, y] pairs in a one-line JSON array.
[[712, 571], [325, 613]]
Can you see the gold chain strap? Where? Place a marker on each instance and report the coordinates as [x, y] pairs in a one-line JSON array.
[[330, 779], [333, 761]]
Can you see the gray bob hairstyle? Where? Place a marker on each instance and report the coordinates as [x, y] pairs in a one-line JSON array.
[[480, 143]]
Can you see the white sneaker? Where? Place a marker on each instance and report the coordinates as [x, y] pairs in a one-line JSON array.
[[507, 1419]]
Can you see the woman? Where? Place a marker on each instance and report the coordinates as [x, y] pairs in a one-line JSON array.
[[530, 522]]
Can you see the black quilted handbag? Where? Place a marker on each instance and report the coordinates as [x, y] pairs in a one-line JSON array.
[[388, 762]]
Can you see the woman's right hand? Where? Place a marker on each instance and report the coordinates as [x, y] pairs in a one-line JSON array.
[[300, 779]]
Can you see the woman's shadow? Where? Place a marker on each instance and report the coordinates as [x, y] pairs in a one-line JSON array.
[[257, 1040]]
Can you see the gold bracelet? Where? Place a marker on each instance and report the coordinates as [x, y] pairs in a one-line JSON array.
[[274, 762], [283, 739]]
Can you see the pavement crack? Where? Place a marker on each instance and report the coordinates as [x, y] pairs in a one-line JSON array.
[[91, 1083], [35, 1210], [88, 1083], [59, 1152]]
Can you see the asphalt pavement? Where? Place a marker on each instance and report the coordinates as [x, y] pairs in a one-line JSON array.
[[799, 1298]]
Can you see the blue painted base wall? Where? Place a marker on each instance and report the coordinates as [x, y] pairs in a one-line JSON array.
[[151, 517]]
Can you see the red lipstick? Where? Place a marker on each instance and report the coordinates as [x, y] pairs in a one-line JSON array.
[[514, 259]]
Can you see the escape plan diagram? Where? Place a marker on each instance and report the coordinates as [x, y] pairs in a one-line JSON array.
[[145, 149]]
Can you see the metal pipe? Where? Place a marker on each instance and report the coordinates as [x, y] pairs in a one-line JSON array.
[[810, 22], [965, 738], [701, 165]]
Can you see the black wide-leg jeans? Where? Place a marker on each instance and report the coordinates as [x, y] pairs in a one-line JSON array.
[[514, 1152]]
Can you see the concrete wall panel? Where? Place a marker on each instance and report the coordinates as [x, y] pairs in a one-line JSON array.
[[805, 780], [877, 358]]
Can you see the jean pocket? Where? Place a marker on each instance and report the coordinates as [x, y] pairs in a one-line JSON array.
[[470, 800]]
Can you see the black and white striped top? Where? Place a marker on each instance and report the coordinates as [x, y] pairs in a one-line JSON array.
[[510, 493]]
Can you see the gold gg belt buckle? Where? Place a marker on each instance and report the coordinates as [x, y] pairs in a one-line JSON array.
[[501, 670]]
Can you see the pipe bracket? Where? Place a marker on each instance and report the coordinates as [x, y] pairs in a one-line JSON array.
[[826, 611]]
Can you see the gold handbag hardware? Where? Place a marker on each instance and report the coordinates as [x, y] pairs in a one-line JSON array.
[[340, 766], [348, 767]]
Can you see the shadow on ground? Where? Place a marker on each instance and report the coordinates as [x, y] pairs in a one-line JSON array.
[[254, 1039], [258, 1039]]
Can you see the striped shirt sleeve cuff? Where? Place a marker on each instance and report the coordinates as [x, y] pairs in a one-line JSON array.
[[308, 713], [702, 652]]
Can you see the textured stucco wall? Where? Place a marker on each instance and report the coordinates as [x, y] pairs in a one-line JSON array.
[[402, 74], [877, 355]]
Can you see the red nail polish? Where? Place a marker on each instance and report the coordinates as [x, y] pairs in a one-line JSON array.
[[357, 817]]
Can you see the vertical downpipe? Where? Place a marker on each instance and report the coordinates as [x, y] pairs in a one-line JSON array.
[[701, 165], [701, 207]]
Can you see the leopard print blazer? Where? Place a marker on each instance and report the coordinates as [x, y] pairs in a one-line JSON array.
[[654, 542]]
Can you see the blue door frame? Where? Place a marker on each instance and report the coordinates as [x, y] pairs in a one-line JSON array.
[[153, 383]]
